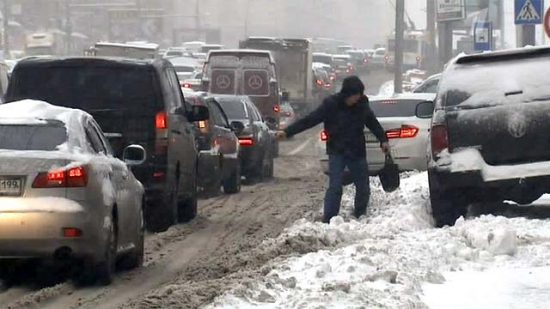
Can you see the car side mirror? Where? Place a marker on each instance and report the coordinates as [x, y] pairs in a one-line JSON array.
[[285, 97], [134, 155], [425, 109], [237, 127], [199, 113]]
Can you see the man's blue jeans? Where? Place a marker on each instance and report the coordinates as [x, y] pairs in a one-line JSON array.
[[359, 173]]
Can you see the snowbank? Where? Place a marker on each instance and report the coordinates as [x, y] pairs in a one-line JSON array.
[[383, 260]]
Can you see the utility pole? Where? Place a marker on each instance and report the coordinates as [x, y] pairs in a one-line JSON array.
[[431, 62], [197, 19], [6, 13], [68, 28], [399, 32]]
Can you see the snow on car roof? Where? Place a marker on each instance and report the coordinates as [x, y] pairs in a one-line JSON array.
[[33, 112]]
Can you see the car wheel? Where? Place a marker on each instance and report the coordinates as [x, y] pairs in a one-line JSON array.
[[135, 259], [446, 206], [232, 184], [187, 209], [102, 271]]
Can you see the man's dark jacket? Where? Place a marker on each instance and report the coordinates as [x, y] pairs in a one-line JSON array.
[[343, 124]]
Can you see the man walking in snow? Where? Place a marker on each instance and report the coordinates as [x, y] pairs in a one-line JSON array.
[[345, 116]]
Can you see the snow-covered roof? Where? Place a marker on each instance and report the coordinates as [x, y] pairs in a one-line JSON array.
[[32, 112]]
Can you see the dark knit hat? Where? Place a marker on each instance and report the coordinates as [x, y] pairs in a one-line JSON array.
[[352, 85]]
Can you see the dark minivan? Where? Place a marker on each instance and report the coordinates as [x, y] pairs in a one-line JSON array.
[[134, 102]]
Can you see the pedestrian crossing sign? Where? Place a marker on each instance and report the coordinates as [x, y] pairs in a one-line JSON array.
[[529, 12]]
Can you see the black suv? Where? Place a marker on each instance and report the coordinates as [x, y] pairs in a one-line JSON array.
[[489, 135], [134, 102]]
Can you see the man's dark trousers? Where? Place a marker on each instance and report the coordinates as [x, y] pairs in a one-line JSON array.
[[359, 172]]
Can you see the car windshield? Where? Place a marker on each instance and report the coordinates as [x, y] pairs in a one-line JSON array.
[[394, 108], [87, 87], [233, 107], [32, 137], [496, 83]]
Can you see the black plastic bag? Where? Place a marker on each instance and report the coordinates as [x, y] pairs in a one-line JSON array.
[[389, 175]]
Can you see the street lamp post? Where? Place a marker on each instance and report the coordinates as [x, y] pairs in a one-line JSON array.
[[6, 13]]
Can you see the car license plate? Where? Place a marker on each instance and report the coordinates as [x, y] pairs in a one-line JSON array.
[[10, 187]]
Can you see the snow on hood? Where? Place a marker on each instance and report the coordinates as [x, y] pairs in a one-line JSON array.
[[471, 160], [384, 260], [37, 112]]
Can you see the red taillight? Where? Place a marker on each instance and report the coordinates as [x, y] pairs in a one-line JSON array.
[[246, 141], [439, 138], [72, 178], [71, 232], [276, 108], [186, 85], [332, 77], [160, 120], [323, 135], [319, 82], [403, 132]]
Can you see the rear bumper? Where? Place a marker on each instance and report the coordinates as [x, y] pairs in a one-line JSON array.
[[36, 230]]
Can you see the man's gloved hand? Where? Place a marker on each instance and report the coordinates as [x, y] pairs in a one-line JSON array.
[[385, 147]]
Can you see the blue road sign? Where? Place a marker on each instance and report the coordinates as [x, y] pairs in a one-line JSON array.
[[529, 12], [483, 36]]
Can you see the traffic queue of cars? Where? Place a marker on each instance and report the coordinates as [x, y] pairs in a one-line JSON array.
[[97, 149]]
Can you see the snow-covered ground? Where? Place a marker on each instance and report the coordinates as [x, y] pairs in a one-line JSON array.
[[394, 258]]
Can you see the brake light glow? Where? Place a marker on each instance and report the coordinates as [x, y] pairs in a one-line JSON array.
[[276, 108], [405, 131], [246, 141], [319, 82], [332, 77], [71, 232], [439, 138], [186, 85], [71, 178], [323, 135], [160, 120]]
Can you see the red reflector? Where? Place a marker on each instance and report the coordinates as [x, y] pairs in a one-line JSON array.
[[323, 135], [71, 232], [158, 174], [276, 108], [246, 141], [404, 132], [439, 138], [160, 120]]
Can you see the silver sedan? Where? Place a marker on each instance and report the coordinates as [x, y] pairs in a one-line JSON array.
[[63, 196], [407, 134]]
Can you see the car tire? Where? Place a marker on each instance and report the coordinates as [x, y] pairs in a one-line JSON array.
[[162, 214], [102, 272], [187, 209], [135, 258], [232, 184], [446, 206]]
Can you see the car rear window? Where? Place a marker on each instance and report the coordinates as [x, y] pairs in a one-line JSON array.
[[32, 137], [233, 108], [322, 59], [492, 83], [394, 108], [88, 87]]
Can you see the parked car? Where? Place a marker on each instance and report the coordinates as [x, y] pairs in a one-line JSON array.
[[407, 133], [488, 138], [135, 102], [63, 195], [255, 138], [215, 136], [429, 85], [288, 116]]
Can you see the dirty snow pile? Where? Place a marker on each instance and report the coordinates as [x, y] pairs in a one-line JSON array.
[[388, 258]]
